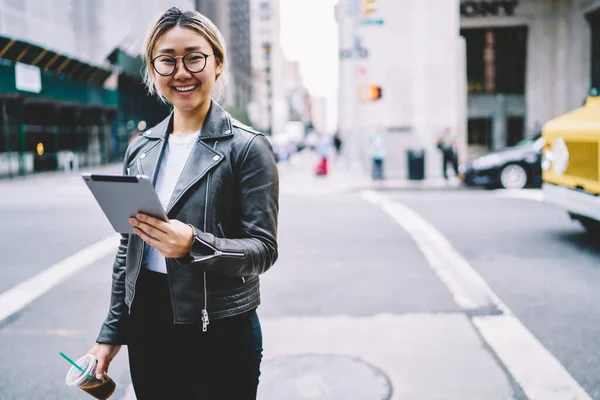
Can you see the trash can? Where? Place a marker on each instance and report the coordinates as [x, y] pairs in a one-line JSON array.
[[416, 164]]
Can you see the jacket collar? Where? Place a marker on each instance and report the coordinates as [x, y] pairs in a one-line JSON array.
[[217, 125]]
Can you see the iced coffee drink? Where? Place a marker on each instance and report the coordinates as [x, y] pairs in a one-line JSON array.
[[100, 389]]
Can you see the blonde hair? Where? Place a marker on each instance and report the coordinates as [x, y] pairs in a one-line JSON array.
[[193, 20]]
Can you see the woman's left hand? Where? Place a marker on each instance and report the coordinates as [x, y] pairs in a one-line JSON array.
[[173, 239]]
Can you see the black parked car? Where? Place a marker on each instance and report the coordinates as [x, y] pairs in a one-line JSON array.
[[511, 168]]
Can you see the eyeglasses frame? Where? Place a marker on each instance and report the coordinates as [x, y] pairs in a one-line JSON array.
[[182, 62]]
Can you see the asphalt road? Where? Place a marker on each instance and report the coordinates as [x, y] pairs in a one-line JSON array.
[[540, 263], [341, 259]]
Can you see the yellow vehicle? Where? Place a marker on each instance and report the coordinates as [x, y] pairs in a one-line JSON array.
[[570, 163]]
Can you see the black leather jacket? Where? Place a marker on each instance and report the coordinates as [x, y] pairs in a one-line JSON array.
[[228, 191]]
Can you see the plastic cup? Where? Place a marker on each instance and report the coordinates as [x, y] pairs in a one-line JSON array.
[[100, 389]]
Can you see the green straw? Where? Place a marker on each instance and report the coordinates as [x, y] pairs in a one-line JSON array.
[[63, 355]]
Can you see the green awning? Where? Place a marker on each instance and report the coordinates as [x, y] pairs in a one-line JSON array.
[[51, 62], [62, 78], [127, 63]]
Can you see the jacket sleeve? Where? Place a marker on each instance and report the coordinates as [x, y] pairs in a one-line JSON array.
[[113, 328], [258, 191]]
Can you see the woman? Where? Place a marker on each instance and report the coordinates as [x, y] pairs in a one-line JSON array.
[[184, 292]]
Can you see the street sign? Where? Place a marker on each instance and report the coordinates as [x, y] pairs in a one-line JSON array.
[[483, 8], [357, 51], [371, 21], [28, 78]]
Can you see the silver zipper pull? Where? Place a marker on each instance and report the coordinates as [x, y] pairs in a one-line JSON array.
[[205, 321]]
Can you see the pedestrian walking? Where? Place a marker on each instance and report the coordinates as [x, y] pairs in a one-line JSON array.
[[378, 153], [185, 291], [323, 149], [446, 143], [337, 142]]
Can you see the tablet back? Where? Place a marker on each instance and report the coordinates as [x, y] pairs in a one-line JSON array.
[[122, 197]]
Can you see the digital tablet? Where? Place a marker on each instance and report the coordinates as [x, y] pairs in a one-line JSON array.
[[122, 197]]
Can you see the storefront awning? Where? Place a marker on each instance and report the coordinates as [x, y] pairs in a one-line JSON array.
[[50, 62], [28, 70]]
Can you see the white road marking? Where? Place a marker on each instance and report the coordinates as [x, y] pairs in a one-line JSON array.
[[42, 332], [469, 289], [538, 372], [16, 298], [525, 194]]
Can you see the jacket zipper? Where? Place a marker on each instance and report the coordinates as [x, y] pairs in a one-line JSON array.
[[221, 229], [205, 320], [216, 252], [223, 236]]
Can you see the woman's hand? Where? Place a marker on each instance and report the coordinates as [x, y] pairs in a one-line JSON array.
[[173, 239], [104, 353]]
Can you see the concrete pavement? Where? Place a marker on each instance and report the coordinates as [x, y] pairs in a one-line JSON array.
[[346, 176]]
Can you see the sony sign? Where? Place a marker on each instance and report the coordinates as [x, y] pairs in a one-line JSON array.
[[358, 51], [484, 8]]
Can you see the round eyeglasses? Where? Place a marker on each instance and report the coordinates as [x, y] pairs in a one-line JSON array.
[[194, 62]]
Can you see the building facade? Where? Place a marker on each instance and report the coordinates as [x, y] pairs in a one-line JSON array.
[[71, 86], [232, 17], [527, 62], [269, 107], [318, 114], [391, 82], [494, 71]]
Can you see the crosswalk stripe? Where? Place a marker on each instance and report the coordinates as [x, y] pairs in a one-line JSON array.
[[540, 375]]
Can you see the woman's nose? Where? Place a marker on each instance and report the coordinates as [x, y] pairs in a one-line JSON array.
[[181, 71]]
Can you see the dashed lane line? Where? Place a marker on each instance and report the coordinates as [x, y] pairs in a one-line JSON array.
[[539, 374]]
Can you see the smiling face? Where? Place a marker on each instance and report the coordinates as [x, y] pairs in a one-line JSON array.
[[186, 90]]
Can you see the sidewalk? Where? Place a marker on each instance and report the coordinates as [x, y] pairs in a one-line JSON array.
[[343, 177]]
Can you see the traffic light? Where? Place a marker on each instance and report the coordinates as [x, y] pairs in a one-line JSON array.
[[368, 6], [370, 93]]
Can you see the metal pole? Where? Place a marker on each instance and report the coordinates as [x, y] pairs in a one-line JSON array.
[[22, 144]]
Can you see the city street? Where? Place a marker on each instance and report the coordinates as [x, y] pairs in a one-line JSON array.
[[385, 278]]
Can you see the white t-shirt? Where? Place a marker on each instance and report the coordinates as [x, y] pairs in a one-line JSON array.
[[176, 154]]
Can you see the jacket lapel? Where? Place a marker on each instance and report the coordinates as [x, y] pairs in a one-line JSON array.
[[149, 158], [202, 159]]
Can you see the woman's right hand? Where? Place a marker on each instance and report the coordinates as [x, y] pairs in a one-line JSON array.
[[104, 353]]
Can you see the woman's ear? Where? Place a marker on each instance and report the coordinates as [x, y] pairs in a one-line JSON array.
[[219, 69]]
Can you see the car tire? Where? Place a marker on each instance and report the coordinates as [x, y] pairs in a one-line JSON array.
[[513, 176]]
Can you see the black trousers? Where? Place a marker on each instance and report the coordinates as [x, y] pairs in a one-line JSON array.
[[449, 157], [377, 169], [169, 361]]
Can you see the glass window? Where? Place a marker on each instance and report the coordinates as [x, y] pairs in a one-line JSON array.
[[514, 131], [496, 60], [479, 131]]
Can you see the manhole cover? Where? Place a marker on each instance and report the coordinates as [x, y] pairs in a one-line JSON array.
[[327, 377]]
